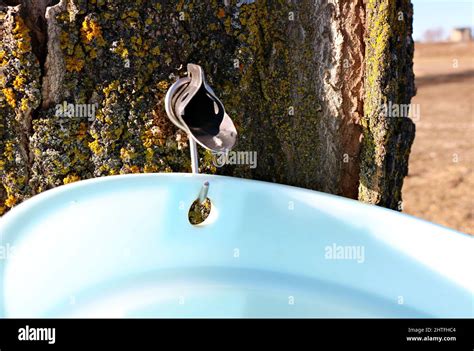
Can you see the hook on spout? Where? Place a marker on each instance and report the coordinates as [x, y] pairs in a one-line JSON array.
[[203, 193]]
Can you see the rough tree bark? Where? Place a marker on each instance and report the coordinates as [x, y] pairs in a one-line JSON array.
[[304, 82]]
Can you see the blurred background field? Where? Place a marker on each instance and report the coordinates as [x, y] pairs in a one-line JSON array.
[[440, 183]]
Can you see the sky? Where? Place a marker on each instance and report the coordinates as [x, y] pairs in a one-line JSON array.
[[445, 14]]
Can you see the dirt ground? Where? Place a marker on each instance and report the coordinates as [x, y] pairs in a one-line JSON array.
[[440, 184]]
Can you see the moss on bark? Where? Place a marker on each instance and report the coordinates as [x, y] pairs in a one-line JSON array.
[[389, 79], [19, 96]]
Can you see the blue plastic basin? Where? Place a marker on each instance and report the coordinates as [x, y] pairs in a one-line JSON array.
[[122, 246]]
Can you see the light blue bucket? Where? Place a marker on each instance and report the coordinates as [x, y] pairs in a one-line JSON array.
[[123, 247]]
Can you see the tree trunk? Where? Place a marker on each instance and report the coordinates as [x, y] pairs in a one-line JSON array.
[[304, 81]]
